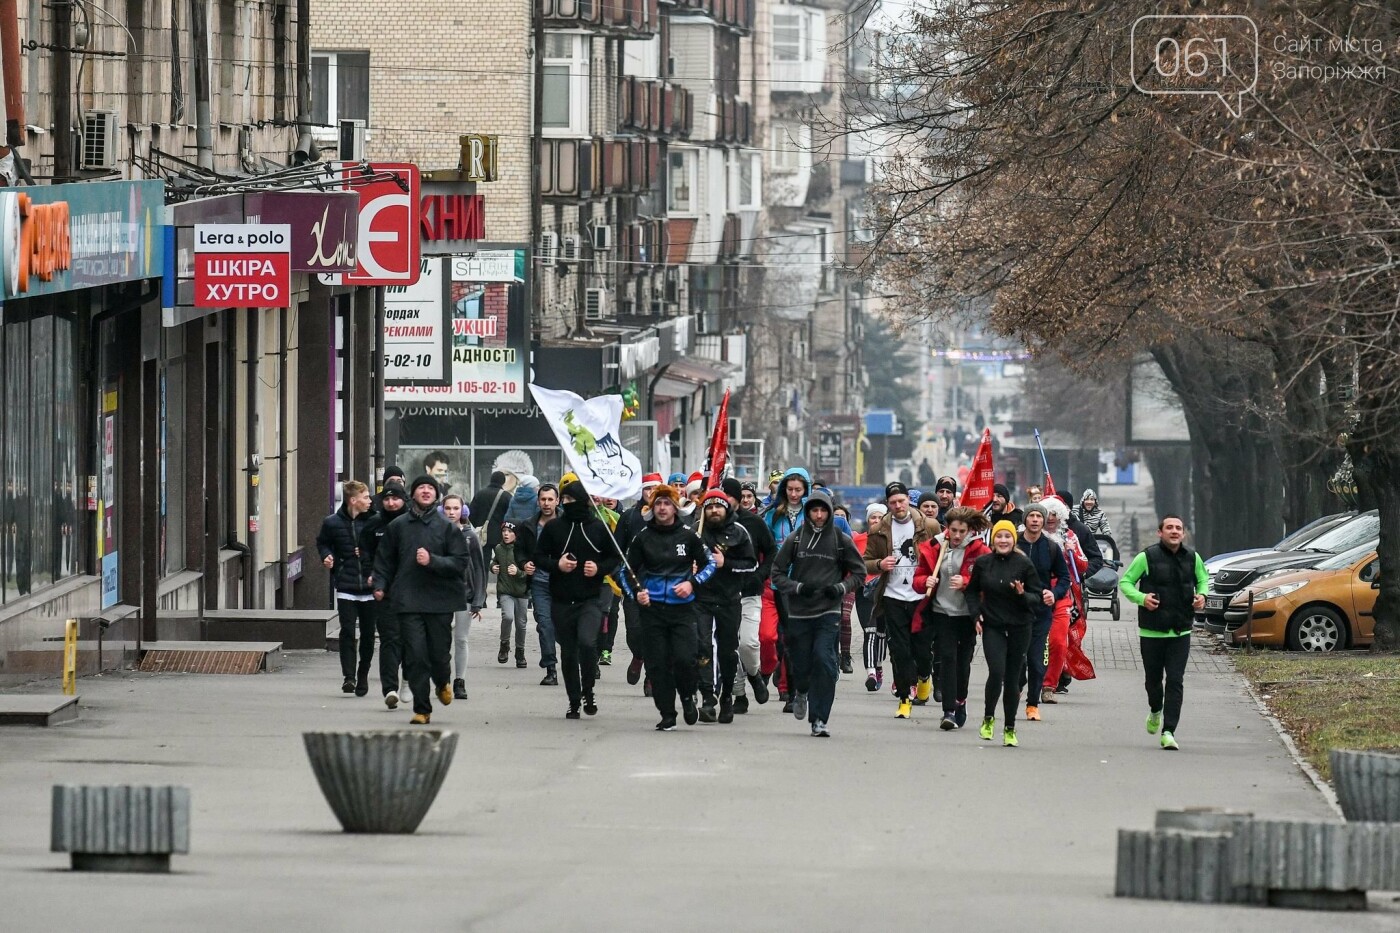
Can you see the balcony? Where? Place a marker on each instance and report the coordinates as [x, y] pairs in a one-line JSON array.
[[575, 169], [726, 120], [643, 244], [653, 107], [735, 15], [731, 238], [621, 19]]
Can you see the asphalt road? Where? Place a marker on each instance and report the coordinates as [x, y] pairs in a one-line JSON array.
[[604, 824]]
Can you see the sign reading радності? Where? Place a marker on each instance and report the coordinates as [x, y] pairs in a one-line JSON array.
[[242, 265]]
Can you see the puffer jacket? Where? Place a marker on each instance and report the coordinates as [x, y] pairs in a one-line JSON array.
[[351, 543]]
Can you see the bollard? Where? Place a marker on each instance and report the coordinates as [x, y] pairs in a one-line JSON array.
[[70, 657], [123, 827]]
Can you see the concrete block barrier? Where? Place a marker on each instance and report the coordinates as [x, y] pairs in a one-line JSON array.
[[1284, 855], [1368, 785], [121, 827], [1172, 865]]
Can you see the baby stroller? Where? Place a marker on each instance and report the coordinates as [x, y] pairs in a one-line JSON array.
[[1103, 586]]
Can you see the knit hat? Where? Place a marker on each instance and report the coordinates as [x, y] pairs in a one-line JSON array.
[[695, 483], [776, 476], [1000, 490], [567, 478], [946, 482], [1089, 494], [731, 486], [716, 495], [1037, 507], [676, 479], [896, 489], [575, 491], [876, 508], [394, 471], [1001, 526], [667, 491], [394, 487], [650, 480], [425, 480]]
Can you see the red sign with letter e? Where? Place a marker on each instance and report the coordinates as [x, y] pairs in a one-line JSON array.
[[242, 266]]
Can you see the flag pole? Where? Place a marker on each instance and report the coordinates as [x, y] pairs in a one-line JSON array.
[[1043, 462], [612, 536]]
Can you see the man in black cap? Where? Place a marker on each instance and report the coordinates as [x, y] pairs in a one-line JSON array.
[[1003, 509], [892, 551], [945, 493], [420, 573]]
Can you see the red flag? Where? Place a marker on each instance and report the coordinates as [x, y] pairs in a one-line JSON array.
[[718, 457], [1049, 485], [977, 492]]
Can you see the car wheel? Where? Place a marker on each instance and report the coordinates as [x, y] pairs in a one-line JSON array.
[[1317, 628]]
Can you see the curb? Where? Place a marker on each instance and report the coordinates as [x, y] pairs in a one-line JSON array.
[[1322, 786]]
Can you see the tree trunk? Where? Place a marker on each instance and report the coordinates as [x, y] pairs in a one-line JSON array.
[[1378, 476], [1171, 481]]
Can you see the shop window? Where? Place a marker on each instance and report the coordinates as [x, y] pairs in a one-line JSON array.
[[339, 88]]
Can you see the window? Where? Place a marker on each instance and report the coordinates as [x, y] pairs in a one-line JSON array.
[[791, 37], [858, 229], [745, 181], [681, 181], [339, 88], [565, 78], [785, 141]]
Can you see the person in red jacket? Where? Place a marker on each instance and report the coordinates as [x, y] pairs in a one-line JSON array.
[[945, 566]]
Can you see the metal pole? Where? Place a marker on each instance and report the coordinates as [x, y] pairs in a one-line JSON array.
[[377, 379], [62, 92]]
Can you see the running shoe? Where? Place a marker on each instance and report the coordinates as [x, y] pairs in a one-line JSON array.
[[1169, 742], [688, 711], [605, 658], [820, 731], [906, 709], [572, 713], [709, 711], [871, 683], [634, 671], [799, 706], [923, 691], [1062, 690], [348, 685], [1008, 737], [503, 655], [726, 710], [988, 727], [1048, 696], [760, 689], [846, 667], [420, 719], [1033, 713], [590, 705], [787, 707], [666, 725], [1154, 722], [947, 724], [391, 699], [741, 705], [960, 715]]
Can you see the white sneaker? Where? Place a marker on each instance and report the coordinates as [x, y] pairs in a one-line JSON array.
[[391, 699]]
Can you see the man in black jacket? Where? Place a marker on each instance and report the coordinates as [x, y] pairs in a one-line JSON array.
[[1053, 570], [390, 504], [420, 573], [750, 598], [629, 524], [733, 553], [346, 545], [488, 509], [577, 555]]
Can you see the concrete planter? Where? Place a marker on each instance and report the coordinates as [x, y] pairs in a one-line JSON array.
[[380, 782], [1368, 785], [122, 827]]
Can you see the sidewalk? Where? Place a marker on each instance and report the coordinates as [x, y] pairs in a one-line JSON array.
[[604, 824]]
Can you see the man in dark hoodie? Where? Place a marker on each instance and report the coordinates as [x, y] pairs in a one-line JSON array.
[[420, 573], [670, 561], [733, 553], [814, 569], [750, 669], [488, 509], [577, 555], [392, 474], [392, 502], [346, 545], [629, 524]]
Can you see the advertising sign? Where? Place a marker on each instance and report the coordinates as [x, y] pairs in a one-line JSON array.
[[390, 214], [417, 335], [829, 450], [488, 307], [242, 266]]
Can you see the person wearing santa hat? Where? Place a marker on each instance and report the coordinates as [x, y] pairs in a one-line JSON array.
[[629, 524]]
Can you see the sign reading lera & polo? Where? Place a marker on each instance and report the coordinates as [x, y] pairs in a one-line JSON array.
[[242, 265]]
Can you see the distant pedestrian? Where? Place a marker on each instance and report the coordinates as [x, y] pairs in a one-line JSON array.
[[346, 544], [815, 567], [547, 499], [488, 509], [872, 623], [512, 594], [1008, 593], [392, 503], [454, 510], [1168, 584], [420, 575]]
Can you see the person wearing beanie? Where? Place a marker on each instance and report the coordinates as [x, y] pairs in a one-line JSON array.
[[1091, 515], [456, 512], [346, 544], [1053, 570], [678, 480], [669, 561], [945, 566], [1002, 508], [719, 603], [1007, 593], [488, 509], [814, 569], [774, 479], [749, 499], [420, 571], [872, 623], [393, 476], [391, 503], [578, 557], [928, 507], [629, 525], [945, 493], [750, 670], [892, 551]]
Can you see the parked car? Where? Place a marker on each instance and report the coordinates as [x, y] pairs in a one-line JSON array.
[[1324, 608], [1290, 542], [1233, 577]]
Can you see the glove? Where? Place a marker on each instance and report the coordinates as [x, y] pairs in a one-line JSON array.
[[833, 591]]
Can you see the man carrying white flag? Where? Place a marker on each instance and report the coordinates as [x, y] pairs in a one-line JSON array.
[[589, 431]]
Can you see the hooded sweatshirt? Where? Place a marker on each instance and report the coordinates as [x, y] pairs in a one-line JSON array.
[[812, 559], [740, 561], [579, 533]]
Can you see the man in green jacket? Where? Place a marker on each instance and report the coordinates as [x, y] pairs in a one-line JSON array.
[[1167, 582]]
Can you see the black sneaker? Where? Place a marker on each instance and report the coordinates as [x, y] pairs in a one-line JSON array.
[[646, 688], [666, 725], [348, 686], [551, 679], [590, 705], [1062, 690], [521, 662], [503, 655], [688, 710], [708, 712], [948, 724], [937, 693], [760, 690], [785, 696], [846, 664], [787, 707], [726, 709], [362, 683], [634, 671], [741, 705], [871, 683], [459, 689], [572, 713], [960, 715]]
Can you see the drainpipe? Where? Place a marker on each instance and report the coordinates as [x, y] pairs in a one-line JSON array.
[[199, 44], [306, 146], [14, 84], [62, 93]]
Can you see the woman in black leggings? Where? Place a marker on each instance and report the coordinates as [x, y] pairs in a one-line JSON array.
[[1008, 590]]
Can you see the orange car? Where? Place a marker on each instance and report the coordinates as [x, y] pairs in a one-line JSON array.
[[1324, 608]]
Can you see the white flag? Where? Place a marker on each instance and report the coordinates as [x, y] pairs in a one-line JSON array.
[[589, 431]]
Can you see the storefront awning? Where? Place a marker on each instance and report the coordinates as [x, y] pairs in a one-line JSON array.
[[683, 377]]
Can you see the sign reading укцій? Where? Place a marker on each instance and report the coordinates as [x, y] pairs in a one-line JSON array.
[[242, 265]]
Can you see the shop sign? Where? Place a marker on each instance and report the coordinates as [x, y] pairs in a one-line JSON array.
[[417, 336], [486, 313], [454, 217], [389, 220], [829, 450], [242, 266], [479, 157], [57, 238]]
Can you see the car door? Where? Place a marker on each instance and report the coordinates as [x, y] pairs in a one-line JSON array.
[[1364, 590]]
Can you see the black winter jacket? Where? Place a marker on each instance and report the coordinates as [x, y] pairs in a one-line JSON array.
[[765, 548], [409, 587], [488, 509], [811, 559], [1000, 606], [740, 563], [351, 542], [583, 536], [476, 569]]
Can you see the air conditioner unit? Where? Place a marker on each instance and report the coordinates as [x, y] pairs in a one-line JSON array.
[[351, 140], [548, 251], [595, 304], [568, 248], [100, 139], [602, 237], [658, 307]]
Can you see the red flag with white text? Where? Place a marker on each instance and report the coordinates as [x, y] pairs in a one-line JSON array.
[[718, 457], [977, 492]]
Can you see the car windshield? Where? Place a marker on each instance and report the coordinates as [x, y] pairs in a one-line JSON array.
[[1347, 558], [1352, 534], [1312, 530]]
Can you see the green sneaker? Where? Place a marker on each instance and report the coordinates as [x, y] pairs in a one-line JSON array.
[[988, 726], [1008, 737], [605, 658], [1154, 722], [1169, 742]]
